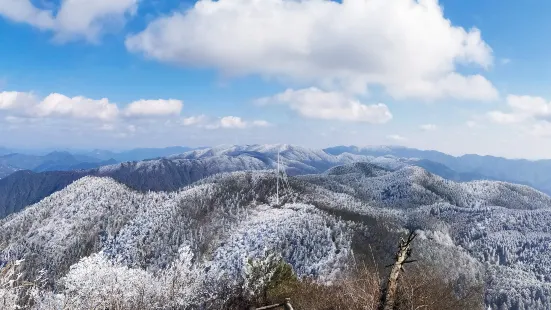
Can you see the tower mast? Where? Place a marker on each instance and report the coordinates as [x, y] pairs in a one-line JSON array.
[[277, 178]]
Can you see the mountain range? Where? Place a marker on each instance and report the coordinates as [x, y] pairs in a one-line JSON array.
[[137, 154], [534, 173], [66, 161], [23, 188], [175, 171], [491, 232]]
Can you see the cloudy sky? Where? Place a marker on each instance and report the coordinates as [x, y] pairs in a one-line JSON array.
[[461, 77]]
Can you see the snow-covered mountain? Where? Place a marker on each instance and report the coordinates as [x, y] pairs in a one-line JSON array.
[[169, 174], [172, 173], [487, 231], [535, 173]]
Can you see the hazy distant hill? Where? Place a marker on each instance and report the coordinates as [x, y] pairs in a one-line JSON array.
[[6, 170], [55, 161], [5, 151], [26, 187], [65, 160], [138, 154], [534, 173]]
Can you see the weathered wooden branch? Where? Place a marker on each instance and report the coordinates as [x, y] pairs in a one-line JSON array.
[[286, 305], [401, 258]]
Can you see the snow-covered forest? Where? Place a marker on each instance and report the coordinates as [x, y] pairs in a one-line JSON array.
[[98, 243]]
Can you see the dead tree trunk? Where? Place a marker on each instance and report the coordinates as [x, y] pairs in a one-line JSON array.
[[404, 252], [286, 306]]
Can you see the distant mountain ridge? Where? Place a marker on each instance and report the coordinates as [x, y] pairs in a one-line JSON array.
[[536, 173], [60, 161], [138, 154], [66, 161], [5, 151]]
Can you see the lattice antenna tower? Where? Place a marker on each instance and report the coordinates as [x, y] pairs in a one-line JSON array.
[[282, 175]]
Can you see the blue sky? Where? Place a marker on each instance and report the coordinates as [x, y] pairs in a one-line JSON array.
[[457, 76]]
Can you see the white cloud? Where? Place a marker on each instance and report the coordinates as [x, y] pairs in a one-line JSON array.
[[505, 61], [315, 103], [428, 127], [17, 101], [522, 109], [232, 122], [407, 46], [473, 87], [471, 124], [226, 122], [148, 108], [528, 105], [529, 113], [19, 107], [58, 105], [73, 18], [396, 137], [194, 120]]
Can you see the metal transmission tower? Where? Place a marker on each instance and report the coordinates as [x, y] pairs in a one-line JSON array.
[[283, 176]]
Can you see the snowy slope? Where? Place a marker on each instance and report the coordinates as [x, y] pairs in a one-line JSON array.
[[494, 231]]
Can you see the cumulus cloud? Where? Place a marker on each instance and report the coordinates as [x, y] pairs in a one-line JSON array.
[[453, 85], [18, 107], [406, 46], [319, 104], [60, 106], [530, 112], [17, 101], [428, 127], [149, 108], [57, 105], [235, 122], [522, 109], [73, 18], [226, 122], [232, 122]]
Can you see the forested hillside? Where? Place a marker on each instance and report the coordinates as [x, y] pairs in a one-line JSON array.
[[98, 232]]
